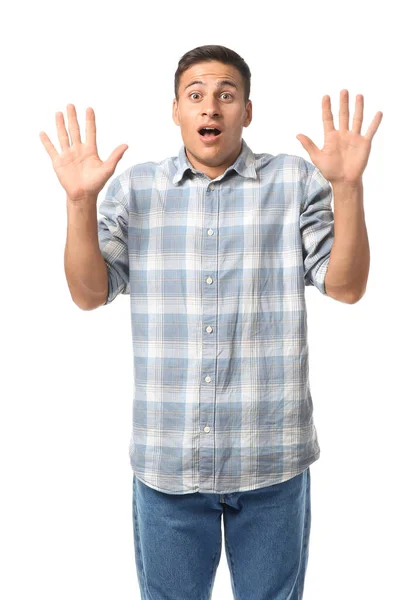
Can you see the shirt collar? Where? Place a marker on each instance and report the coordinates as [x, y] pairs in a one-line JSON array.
[[244, 164]]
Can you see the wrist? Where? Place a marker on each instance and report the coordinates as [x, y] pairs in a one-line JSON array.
[[80, 201], [347, 185]]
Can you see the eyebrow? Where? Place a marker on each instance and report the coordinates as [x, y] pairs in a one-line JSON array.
[[220, 83]]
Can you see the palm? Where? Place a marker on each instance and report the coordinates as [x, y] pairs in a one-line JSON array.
[[345, 153], [82, 173]]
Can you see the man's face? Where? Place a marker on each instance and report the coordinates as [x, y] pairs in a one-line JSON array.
[[208, 103]]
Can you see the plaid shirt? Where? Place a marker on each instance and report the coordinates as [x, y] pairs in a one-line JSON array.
[[216, 271]]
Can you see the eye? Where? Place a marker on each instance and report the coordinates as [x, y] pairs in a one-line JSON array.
[[197, 94]]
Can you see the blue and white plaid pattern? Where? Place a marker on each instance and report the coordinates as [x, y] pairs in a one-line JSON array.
[[216, 271]]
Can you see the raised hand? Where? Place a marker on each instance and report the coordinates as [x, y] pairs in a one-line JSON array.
[[345, 153], [79, 169]]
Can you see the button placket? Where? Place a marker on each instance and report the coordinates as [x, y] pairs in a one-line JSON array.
[[209, 256]]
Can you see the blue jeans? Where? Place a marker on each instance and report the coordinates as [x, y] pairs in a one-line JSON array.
[[178, 540]]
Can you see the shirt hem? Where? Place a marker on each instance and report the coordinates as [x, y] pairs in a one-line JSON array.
[[277, 479]]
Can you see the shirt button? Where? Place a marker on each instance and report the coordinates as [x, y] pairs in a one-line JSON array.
[[211, 187], [209, 329], [210, 231], [206, 429], [209, 280], [207, 379]]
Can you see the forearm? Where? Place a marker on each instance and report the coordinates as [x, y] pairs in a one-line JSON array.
[[348, 267], [85, 268]]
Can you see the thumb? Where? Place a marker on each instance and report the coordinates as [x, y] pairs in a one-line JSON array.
[[116, 156], [307, 144]]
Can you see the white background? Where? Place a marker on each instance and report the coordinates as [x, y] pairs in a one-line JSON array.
[[67, 375]]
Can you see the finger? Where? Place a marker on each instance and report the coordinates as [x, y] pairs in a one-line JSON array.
[[50, 148], [374, 125], [358, 114], [62, 133], [116, 156], [90, 129], [308, 144], [328, 124], [73, 124], [344, 110]]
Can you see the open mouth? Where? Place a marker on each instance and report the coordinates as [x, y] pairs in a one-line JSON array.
[[208, 134]]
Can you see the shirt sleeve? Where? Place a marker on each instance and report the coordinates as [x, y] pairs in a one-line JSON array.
[[113, 236], [317, 227]]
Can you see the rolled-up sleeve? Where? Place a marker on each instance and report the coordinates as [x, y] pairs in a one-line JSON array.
[[113, 235], [316, 226]]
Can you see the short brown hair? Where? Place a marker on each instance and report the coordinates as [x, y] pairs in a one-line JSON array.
[[219, 53]]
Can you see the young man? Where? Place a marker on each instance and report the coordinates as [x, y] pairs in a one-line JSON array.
[[215, 247]]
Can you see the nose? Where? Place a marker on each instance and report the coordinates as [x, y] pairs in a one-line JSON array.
[[211, 107], [212, 113]]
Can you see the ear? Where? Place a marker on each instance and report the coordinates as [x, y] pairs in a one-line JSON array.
[[175, 112], [248, 117]]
